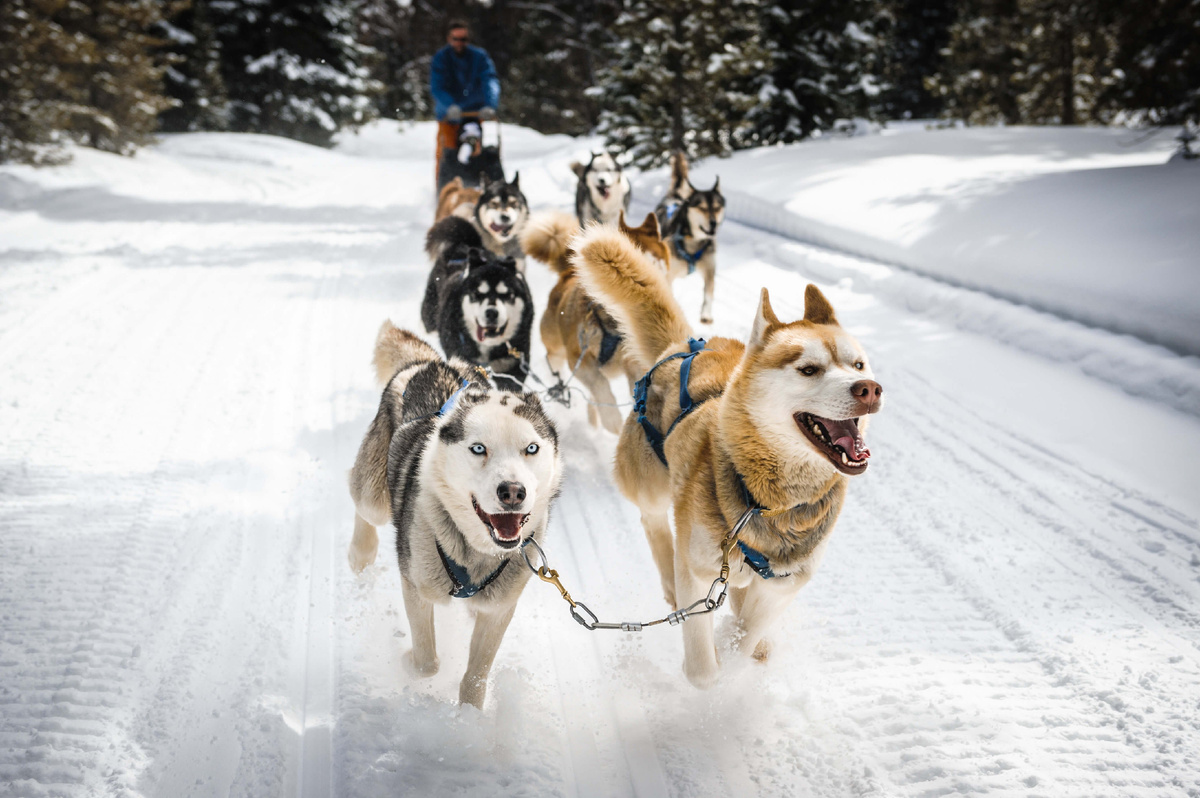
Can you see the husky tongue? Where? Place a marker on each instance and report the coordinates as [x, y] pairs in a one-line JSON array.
[[845, 434], [507, 525]]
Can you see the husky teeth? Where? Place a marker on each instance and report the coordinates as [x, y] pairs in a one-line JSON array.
[[844, 459]]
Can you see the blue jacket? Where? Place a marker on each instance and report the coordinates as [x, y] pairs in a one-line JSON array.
[[468, 81]]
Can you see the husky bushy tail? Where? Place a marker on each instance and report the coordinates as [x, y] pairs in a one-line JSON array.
[[547, 238], [633, 290], [680, 185], [396, 348]]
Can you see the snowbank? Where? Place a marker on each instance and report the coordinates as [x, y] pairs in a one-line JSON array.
[[1089, 224]]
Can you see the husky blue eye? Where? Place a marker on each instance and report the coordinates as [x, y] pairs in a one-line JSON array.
[[531, 449], [478, 448], [859, 365]]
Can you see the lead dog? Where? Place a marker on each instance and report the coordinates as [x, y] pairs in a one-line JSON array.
[[603, 191], [466, 474], [689, 219], [580, 337], [774, 426]]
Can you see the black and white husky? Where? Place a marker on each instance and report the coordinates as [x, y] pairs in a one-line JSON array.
[[603, 190], [498, 218], [466, 474], [479, 305], [689, 219]]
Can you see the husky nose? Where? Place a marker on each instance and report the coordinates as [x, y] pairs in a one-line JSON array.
[[869, 395], [511, 494], [491, 315]]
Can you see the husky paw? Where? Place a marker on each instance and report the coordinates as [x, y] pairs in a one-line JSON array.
[[422, 667], [360, 558], [762, 651], [472, 691], [702, 677]]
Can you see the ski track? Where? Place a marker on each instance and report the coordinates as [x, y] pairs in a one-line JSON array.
[[178, 617]]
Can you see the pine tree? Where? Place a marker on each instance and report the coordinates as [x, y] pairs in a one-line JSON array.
[[920, 31], [825, 59], [293, 67], [1029, 61], [680, 78], [81, 70], [1158, 55], [194, 77]]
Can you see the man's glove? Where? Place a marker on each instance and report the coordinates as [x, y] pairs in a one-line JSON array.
[[453, 114], [487, 113]]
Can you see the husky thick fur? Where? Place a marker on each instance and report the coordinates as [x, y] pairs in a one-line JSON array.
[[580, 336], [603, 190], [455, 198], [464, 485], [480, 306], [689, 220], [499, 216], [782, 415]]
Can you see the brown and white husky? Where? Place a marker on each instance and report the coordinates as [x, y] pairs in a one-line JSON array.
[[776, 424]]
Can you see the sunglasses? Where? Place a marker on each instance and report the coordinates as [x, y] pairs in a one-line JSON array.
[[460, 38]]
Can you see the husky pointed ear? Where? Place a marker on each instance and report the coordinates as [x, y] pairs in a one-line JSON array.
[[650, 226], [816, 307], [763, 321], [483, 181], [578, 168], [516, 181], [717, 185]]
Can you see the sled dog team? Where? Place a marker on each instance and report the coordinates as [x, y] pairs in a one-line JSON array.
[[465, 462]]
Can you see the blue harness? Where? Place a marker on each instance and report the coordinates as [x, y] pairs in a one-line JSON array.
[[690, 258], [654, 437], [754, 558]]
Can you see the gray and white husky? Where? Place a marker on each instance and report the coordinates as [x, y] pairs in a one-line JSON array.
[[466, 474], [603, 190]]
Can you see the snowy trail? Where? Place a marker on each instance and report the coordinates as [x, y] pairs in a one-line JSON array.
[[1011, 603]]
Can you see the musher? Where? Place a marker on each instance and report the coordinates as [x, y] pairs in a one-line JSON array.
[[462, 79]]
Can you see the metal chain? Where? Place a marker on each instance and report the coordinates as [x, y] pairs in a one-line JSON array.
[[588, 619]]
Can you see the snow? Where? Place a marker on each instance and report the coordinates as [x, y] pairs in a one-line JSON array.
[[1048, 217], [1010, 603]]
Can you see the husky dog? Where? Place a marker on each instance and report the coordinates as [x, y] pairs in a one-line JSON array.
[[603, 190], [580, 337], [457, 199], [498, 217], [773, 427], [480, 307], [689, 220], [466, 475]]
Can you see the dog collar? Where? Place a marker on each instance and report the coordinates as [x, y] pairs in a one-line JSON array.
[[754, 558], [460, 578]]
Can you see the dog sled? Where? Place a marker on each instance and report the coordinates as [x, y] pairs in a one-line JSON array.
[[471, 154]]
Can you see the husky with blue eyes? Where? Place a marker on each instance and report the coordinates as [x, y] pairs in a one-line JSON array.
[[466, 475]]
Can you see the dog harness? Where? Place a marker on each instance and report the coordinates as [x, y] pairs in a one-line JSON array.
[[609, 341], [690, 258], [641, 388], [460, 579]]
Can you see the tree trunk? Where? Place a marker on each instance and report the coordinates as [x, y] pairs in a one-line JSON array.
[[677, 87], [1068, 74]]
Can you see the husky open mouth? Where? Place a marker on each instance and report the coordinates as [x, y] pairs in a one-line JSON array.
[[500, 229], [482, 333], [840, 441], [604, 191], [505, 528]]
